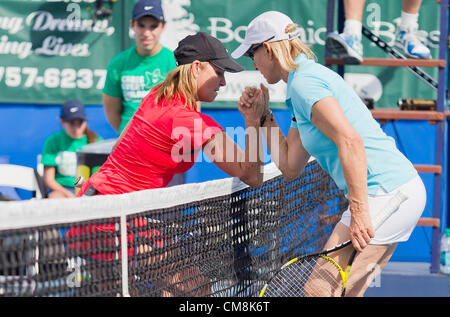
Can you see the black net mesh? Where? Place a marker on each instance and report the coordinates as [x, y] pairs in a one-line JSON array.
[[228, 245]]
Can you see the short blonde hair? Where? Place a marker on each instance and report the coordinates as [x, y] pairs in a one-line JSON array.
[[179, 82], [287, 50]]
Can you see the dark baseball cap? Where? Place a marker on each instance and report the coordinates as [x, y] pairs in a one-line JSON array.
[[72, 109], [148, 7], [205, 48]]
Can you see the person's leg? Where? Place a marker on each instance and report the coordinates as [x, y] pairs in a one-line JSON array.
[[411, 6], [347, 45], [406, 37], [353, 16], [317, 285], [366, 265]]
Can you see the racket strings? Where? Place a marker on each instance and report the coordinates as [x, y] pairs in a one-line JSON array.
[[309, 277]]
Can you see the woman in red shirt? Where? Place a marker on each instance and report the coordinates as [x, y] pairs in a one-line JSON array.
[[168, 130], [166, 134]]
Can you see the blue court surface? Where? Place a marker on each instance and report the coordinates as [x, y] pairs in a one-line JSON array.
[[409, 279]]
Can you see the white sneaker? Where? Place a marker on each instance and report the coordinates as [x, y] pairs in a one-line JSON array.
[[408, 41], [347, 47]]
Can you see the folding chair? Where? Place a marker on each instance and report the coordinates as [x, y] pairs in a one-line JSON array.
[[22, 177]]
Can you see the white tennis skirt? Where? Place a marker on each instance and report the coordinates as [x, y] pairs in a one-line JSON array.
[[399, 226]]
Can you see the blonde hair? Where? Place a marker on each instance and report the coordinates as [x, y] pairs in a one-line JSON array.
[[179, 82], [287, 50]]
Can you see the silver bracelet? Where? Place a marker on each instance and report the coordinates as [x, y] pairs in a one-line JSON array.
[[264, 117]]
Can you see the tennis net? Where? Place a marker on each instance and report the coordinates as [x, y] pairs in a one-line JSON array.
[[219, 238]]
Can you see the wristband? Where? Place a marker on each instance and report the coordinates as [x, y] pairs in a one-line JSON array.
[[264, 117]]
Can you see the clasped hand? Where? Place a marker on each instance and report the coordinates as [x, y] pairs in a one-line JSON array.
[[254, 103]]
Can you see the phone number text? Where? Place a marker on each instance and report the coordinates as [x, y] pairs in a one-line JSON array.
[[83, 78]]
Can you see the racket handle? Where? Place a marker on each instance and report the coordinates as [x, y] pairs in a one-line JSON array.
[[79, 181], [388, 209]]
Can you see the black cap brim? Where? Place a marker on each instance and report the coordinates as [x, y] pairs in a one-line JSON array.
[[227, 64]]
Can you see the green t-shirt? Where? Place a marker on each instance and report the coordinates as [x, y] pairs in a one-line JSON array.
[[60, 151], [131, 76]]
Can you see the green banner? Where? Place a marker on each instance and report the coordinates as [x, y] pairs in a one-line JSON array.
[[52, 51], [56, 50]]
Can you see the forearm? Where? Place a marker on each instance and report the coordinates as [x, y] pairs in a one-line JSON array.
[[114, 119], [353, 160], [276, 142], [252, 164], [245, 164], [51, 183], [113, 111], [354, 164], [289, 155], [54, 186]]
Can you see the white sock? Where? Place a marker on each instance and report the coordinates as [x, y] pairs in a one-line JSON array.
[[408, 21], [353, 27]]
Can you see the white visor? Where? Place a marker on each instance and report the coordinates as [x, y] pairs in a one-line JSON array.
[[268, 25]]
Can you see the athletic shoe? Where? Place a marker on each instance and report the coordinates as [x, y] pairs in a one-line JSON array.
[[411, 45], [347, 47]]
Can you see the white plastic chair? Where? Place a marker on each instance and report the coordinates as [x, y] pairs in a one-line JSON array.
[[27, 178], [39, 165], [23, 177]]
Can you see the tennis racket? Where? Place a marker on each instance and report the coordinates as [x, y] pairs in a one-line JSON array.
[[317, 274]]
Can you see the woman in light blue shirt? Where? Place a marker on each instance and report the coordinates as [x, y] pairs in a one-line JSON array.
[[332, 124]]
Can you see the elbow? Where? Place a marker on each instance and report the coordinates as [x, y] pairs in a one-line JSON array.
[[293, 167], [252, 178], [352, 145], [255, 183], [290, 176], [351, 141]]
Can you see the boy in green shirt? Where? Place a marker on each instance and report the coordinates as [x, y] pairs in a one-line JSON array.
[[133, 72]]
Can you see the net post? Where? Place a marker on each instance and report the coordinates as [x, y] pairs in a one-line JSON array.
[[124, 257]]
